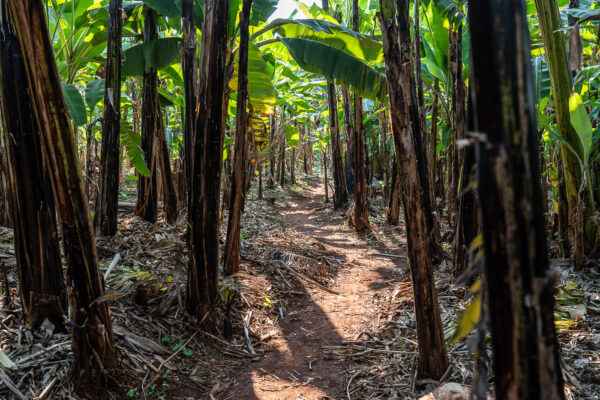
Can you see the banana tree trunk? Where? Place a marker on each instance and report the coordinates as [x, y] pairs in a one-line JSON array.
[[282, 160], [340, 192], [433, 360], [361, 206], [421, 100], [293, 166], [434, 140], [188, 66], [105, 217], [232, 245], [203, 272], [392, 212], [560, 76], [92, 332], [458, 121], [272, 160], [467, 223], [325, 177], [41, 281], [416, 125], [5, 208], [169, 194], [517, 275], [147, 193], [349, 136]]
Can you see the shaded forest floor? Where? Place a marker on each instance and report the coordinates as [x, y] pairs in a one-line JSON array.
[[327, 313]]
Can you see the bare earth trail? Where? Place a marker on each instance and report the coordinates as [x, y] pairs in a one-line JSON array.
[[295, 366]]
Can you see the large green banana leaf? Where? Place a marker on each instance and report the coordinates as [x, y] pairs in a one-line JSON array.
[[159, 54], [337, 65], [335, 35], [132, 141], [172, 9], [75, 104], [260, 84]]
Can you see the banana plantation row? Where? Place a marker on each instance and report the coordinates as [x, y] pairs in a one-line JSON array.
[[474, 111]]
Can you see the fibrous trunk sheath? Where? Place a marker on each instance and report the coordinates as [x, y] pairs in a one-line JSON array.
[[92, 340], [41, 280], [147, 193], [105, 217], [203, 272], [361, 206], [433, 361], [232, 245], [517, 275]]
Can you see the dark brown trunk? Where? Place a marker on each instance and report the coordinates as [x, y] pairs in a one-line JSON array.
[[92, 341], [421, 103], [434, 141], [231, 262], [282, 160], [361, 206], [467, 226], [147, 193], [5, 208], [169, 194], [458, 122], [105, 217], [325, 173], [272, 158], [349, 136], [41, 281], [340, 193], [203, 272], [417, 128], [188, 66], [433, 360], [260, 179], [517, 275], [293, 166], [393, 204]]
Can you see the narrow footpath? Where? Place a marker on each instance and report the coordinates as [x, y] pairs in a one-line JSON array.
[[296, 367]]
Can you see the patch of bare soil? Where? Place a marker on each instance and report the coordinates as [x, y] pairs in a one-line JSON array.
[[300, 362]]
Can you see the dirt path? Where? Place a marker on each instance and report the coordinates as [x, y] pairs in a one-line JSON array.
[[296, 368]]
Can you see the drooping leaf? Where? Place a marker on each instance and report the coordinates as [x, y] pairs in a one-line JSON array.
[[262, 10], [338, 66], [449, 8], [169, 99], [159, 54], [582, 124], [292, 135], [94, 93], [132, 141], [335, 35], [172, 9], [75, 104], [468, 320], [260, 84]]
